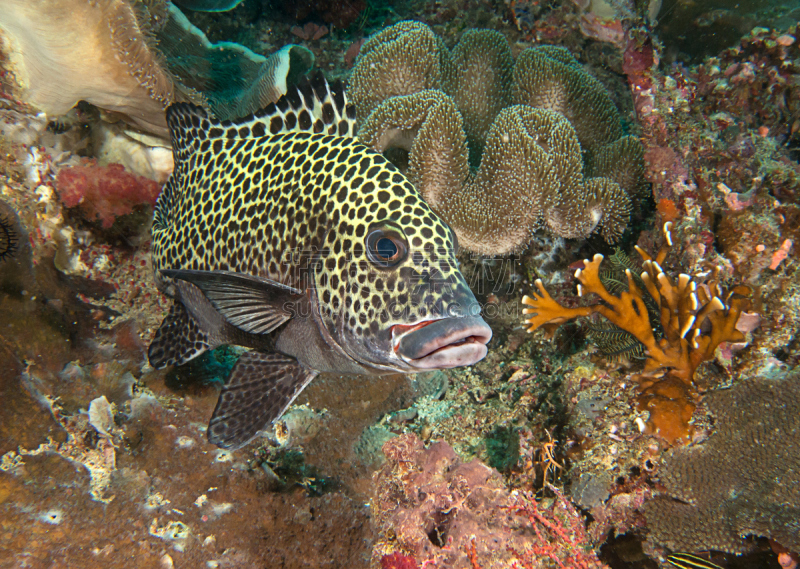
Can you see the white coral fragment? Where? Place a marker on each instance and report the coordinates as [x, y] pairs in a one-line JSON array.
[[101, 416]]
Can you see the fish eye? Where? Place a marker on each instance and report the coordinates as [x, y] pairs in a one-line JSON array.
[[386, 247]]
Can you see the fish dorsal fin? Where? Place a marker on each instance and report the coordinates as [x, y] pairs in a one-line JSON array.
[[313, 105], [188, 126]]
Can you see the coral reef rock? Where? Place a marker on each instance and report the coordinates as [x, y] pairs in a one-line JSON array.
[[102, 194], [543, 134], [743, 481], [16, 263], [430, 507]]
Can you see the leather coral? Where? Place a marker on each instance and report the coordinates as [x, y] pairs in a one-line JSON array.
[[499, 148], [695, 315], [132, 59]]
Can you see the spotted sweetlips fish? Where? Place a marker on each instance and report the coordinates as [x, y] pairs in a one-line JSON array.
[[281, 233]]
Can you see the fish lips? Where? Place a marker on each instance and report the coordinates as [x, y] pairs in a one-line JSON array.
[[445, 343]]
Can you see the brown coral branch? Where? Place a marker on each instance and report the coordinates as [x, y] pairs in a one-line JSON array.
[[472, 554], [695, 321], [626, 311]]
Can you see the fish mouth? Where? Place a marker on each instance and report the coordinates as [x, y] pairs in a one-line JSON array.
[[445, 343]]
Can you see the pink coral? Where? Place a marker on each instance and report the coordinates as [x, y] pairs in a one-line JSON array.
[[352, 52], [779, 255], [640, 57], [437, 510], [310, 31], [398, 561], [603, 29], [560, 534], [104, 193]]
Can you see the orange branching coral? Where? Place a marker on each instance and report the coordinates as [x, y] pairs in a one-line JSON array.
[[685, 305]]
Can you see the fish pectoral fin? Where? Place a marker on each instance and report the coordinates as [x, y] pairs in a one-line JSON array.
[[260, 388], [253, 304], [179, 339]]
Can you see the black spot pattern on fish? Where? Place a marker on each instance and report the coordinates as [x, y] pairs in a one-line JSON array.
[[269, 197], [9, 239], [178, 339]]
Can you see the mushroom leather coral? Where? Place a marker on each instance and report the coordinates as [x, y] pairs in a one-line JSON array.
[[548, 77], [514, 124], [685, 307], [530, 171], [63, 52], [134, 58]]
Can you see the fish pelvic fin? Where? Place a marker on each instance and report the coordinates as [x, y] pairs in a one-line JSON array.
[[179, 339], [259, 389], [311, 106]]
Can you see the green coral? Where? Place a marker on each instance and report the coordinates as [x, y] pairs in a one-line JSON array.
[[502, 448], [499, 149], [209, 368], [209, 5], [226, 77]]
